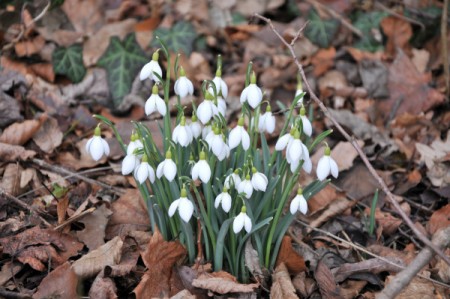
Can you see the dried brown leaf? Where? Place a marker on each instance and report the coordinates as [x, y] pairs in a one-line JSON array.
[[30, 46], [93, 234], [282, 286], [326, 282], [371, 265], [420, 288], [184, 294], [439, 219], [387, 252], [305, 286], [85, 160], [222, 283], [386, 221], [39, 256], [94, 262], [289, 257], [253, 264], [344, 153], [159, 257], [130, 255], [9, 269], [20, 133], [87, 17], [323, 60], [351, 288], [9, 106], [10, 181], [336, 208], [398, 32], [129, 214], [60, 283], [49, 135], [103, 287], [321, 200]]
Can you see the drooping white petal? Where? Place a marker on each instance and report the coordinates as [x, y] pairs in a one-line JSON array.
[[161, 106], [196, 129], [247, 223], [226, 202], [170, 169], [307, 165], [259, 181], [323, 168], [221, 86], [173, 207], [303, 205], [235, 137], [246, 187], [221, 105], [205, 112], [305, 152], [217, 144], [239, 222], [244, 94], [283, 142], [294, 151], [307, 127], [183, 86], [150, 104], [254, 96], [195, 171], [232, 180], [334, 168], [160, 170], [141, 173], [293, 208], [96, 148], [205, 171], [245, 139], [185, 209], [129, 164]]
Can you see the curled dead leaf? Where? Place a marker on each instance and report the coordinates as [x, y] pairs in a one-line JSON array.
[[282, 286], [60, 283], [20, 133], [289, 257], [222, 283]]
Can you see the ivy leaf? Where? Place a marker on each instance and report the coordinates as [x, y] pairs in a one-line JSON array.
[[367, 23], [321, 32], [122, 61], [69, 62], [180, 37]]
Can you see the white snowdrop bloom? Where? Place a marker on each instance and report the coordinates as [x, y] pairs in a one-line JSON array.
[[267, 121], [182, 134], [259, 180], [246, 187], [239, 135], [135, 144], [295, 150], [307, 165], [232, 180], [299, 203], [252, 93], [215, 142], [326, 166], [221, 86], [221, 105], [242, 221], [206, 130], [285, 140], [155, 103], [225, 153], [150, 68], [168, 168], [201, 169], [223, 198], [206, 110], [97, 146], [196, 128], [183, 205], [307, 127], [144, 171], [183, 86], [129, 164]]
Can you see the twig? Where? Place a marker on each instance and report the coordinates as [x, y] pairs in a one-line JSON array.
[[75, 218], [355, 144], [336, 15], [362, 249], [64, 171], [24, 206], [444, 46], [23, 27], [440, 239], [381, 6]]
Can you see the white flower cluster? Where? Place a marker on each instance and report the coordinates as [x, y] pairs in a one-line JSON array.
[[217, 142]]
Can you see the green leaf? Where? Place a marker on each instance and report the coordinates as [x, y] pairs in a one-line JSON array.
[[122, 61], [367, 22], [179, 38], [69, 62], [321, 32]]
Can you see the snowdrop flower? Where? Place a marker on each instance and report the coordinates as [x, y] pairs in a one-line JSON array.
[[135, 144], [242, 221], [221, 105], [267, 121], [129, 164], [259, 180], [144, 171], [201, 169], [97, 146], [221, 86], [307, 127], [183, 86], [223, 198], [246, 187], [326, 166], [150, 68], [225, 153], [168, 168], [196, 128], [206, 110], [232, 180], [285, 140], [252, 93], [215, 142], [239, 135], [295, 149], [299, 203], [183, 205], [182, 134], [155, 103]]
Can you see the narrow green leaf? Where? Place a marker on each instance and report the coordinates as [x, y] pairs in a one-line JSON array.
[[69, 62], [122, 61], [218, 256]]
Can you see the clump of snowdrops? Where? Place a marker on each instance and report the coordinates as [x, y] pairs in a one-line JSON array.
[[213, 187]]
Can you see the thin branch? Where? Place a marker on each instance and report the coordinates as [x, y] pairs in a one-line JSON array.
[[402, 279], [444, 45], [355, 144]]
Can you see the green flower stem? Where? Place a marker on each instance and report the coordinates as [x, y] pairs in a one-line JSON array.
[[254, 132], [205, 217]]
